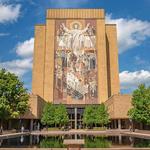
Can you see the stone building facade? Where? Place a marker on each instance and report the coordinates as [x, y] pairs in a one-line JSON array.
[[76, 63], [77, 36]]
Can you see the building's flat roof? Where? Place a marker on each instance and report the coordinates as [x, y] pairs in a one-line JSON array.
[[75, 13]]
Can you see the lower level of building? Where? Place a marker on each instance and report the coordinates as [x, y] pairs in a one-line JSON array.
[[75, 122], [118, 107], [35, 124]]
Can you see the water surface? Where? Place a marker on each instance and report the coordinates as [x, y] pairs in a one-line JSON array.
[[89, 141]]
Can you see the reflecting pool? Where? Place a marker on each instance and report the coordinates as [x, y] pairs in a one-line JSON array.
[[89, 141]]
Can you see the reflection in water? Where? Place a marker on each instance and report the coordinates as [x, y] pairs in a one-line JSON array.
[[52, 142], [142, 143], [96, 142], [21, 139], [1, 141], [89, 141], [131, 139]]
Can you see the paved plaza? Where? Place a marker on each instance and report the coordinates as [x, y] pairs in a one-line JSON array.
[[137, 133]]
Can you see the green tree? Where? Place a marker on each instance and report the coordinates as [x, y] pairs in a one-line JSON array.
[[61, 115], [102, 115], [13, 96], [89, 115], [95, 114], [48, 115], [141, 105]]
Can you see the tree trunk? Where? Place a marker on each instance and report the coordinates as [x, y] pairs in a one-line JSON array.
[[1, 127], [9, 125], [133, 126]]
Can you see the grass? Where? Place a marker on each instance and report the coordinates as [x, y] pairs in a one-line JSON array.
[[93, 129], [53, 129], [98, 129]]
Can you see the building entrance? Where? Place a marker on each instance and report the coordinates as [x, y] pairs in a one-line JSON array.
[[75, 117]]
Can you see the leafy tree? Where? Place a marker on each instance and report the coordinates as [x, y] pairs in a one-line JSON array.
[[95, 114], [48, 115], [89, 115], [141, 105], [54, 114], [13, 96], [102, 115], [61, 115]]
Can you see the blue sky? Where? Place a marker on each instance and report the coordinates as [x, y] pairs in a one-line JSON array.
[[18, 17]]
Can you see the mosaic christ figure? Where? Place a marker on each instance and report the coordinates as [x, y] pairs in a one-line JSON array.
[[77, 39]]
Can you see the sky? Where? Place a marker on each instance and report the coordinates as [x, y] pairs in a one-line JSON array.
[[18, 18]]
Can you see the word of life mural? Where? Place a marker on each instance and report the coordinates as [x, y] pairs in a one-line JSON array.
[[75, 61]]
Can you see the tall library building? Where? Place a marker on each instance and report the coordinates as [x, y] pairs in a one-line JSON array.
[[76, 64]]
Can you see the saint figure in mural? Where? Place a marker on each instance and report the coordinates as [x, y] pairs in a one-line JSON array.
[[75, 38], [89, 38]]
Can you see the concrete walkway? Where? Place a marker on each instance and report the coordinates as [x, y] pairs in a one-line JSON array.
[[13, 135], [137, 133], [83, 132]]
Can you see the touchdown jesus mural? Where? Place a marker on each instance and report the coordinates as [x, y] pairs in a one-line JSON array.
[[75, 61]]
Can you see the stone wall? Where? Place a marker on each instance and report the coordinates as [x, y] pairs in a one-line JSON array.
[[118, 106]]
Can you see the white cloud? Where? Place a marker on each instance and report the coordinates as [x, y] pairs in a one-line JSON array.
[[131, 32], [131, 80], [24, 64], [25, 49], [18, 66], [9, 12]]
